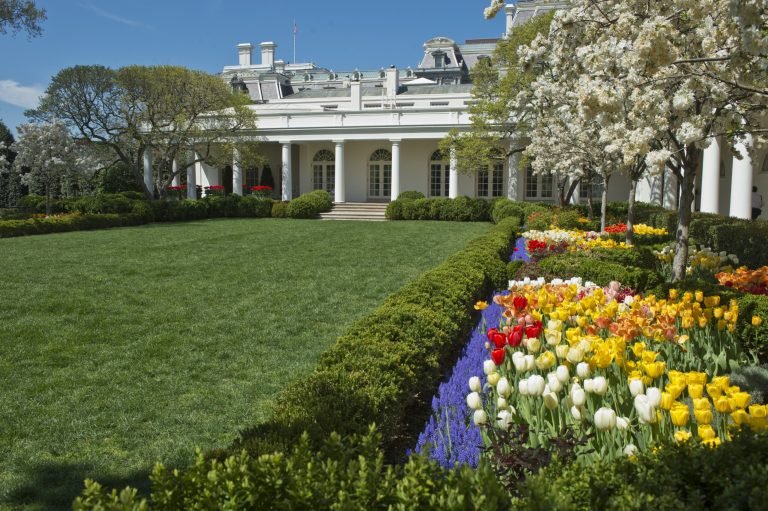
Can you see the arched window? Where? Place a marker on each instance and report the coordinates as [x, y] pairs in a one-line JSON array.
[[439, 173], [490, 182], [380, 174], [324, 171]]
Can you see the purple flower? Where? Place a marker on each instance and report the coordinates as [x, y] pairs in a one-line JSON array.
[[520, 253]]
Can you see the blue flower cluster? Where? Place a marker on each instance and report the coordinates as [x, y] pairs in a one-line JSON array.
[[450, 437]]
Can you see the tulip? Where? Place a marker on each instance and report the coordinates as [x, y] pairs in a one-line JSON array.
[[636, 387], [576, 413], [499, 340], [522, 387], [491, 332], [561, 350], [501, 403], [497, 356], [515, 337], [758, 411], [599, 385], [493, 379], [474, 384], [739, 417], [703, 416], [480, 417], [695, 390], [533, 344], [553, 337], [518, 360], [666, 401], [622, 423], [583, 370], [536, 385], [503, 387], [706, 432], [605, 419], [679, 414], [554, 384], [474, 401], [545, 361], [489, 367], [575, 355], [757, 321], [714, 391], [630, 450], [530, 362], [654, 396], [722, 404], [645, 412], [562, 374], [589, 388], [578, 396], [740, 400], [550, 400], [682, 436], [504, 419]]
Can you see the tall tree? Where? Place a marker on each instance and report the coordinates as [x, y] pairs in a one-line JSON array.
[[16, 15], [171, 111], [10, 182]]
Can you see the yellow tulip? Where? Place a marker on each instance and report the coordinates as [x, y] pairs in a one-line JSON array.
[[740, 400], [546, 360], [675, 389], [722, 381], [673, 294], [666, 401], [702, 322], [481, 305], [721, 324], [649, 356], [695, 390], [699, 296], [656, 369], [739, 417], [701, 404], [682, 435], [714, 391], [717, 312], [757, 321], [711, 301], [638, 348], [703, 416], [712, 442], [678, 378], [706, 432], [722, 404], [758, 411], [687, 322], [679, 414], [697, 377]]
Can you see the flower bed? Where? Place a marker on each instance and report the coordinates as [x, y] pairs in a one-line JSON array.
[[745, 280]]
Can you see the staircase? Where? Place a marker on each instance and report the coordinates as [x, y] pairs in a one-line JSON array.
[[371, 211]]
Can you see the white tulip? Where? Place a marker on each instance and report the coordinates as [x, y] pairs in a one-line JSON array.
[[605, 419], [501, 403], [576, 413], [522, 387], [599, 385], [489, 367], [622, 423], [518, 360], [636, 387], [533, 344], [550, 400], [530, 362], [575, 355], [493, 379], [562, 374], [474, 384], [561, 350], [503, 387], [480, 417], [578, 396], [554, 384], [630, 450], [585, 345], [654, 396], [645, 412], [589, 387], [474, 401], [582, 369], [536, 385], [557, 282], [504, 419]]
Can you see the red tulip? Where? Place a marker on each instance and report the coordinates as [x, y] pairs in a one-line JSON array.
[[497, 356], [519, 302], [533, 331], [516, 336], [491, 332]]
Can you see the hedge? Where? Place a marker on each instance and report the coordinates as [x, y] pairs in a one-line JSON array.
[[599, 271], [68, 223], [387, 365], [687, 477], [745, 238], [409, 206], [344, 474], [310, 204]]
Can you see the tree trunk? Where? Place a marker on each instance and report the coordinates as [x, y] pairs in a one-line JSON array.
[[47, 199], [690, 165], [590, 206], [631, 211], [604, 204]]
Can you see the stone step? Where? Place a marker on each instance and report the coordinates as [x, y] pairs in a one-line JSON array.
[[356, 211]]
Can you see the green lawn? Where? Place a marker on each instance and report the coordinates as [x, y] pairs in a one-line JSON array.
[[126, 346]]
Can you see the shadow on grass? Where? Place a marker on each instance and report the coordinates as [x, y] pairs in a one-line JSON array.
[[52, 485]]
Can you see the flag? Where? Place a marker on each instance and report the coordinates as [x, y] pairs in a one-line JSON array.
[[295, 28]]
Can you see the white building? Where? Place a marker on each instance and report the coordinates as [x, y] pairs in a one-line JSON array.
[[366, 136]]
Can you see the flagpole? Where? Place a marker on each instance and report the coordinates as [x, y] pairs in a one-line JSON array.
[[294, 40]]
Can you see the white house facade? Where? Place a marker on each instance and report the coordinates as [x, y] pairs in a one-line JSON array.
[[366, 136]]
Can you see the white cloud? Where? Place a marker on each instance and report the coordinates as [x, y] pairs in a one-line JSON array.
[[20, 95], [114, 17]]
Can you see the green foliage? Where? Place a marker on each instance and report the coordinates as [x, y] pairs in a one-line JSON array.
[[460, 209], [566, 219], [118, 178], [506, 208], [410, 194], [101, 203], [684, 477], [347, 474], [67, 223], [17, 15], [279, 209], [513, 268], [598, 271], [390, 361], [638, 256], [753, 339], [744, 238], [539, 220], [753, 379], [310, 204]]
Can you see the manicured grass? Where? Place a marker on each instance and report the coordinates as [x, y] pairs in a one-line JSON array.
[[126, 346]]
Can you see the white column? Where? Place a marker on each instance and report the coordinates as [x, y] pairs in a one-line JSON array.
[[453, 176], [395, 169], [513, 183], [175, 170], [339, 190], [710, 178], [237, 173], [741, 180], [287, 183], [192, 178], [148, 170]]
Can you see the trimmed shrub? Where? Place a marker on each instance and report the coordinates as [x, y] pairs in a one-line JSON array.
[[66, 223], [638, 256], [410, 194], [347, 474], [389, 363], [279, 209], [310, 204], [685, 477], [460, 209], [506, 208], [254, 207], [744, 238], [101, 203], [598, 271]]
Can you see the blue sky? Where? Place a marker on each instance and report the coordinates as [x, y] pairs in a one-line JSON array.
[[338, 34]]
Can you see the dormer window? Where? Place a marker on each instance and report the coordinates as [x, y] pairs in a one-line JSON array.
[[439, 57]]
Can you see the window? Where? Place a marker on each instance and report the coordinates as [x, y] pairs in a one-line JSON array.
[[531, 184], [251, 178], [439, 175], [324, 171], [490, 183], [595, 188], [539, 186], [380, 174]]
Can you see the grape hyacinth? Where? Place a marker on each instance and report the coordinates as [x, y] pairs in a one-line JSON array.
[[452, 437], [520, 253]]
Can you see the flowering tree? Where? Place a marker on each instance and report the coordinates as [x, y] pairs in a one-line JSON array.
[[661, 78], [47, 154]]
